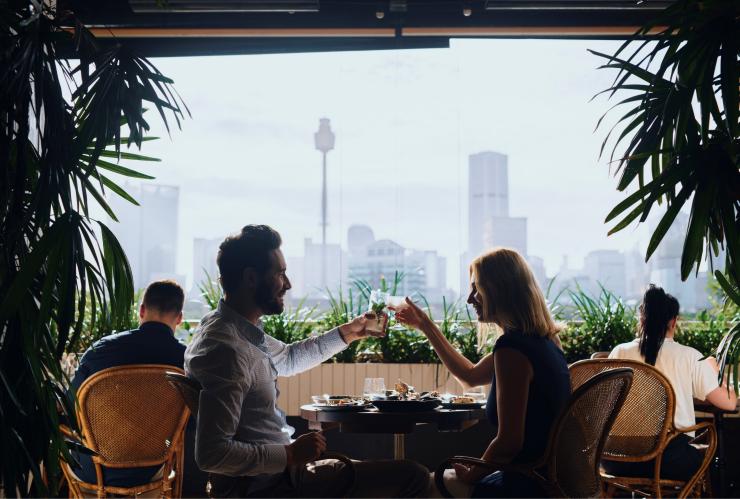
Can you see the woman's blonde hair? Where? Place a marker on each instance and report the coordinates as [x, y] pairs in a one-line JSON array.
[[510, 294]]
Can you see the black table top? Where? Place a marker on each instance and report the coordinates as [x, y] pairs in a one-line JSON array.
[[375, 421], [704, 406]]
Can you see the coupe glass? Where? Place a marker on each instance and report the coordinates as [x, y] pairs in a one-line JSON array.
[[399, 303]]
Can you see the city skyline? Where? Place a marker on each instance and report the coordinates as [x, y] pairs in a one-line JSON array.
[[367, 258], [406, 123]]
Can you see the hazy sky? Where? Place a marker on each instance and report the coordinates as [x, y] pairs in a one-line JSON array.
[[405, 123]]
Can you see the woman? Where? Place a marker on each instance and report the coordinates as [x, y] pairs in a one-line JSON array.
[[689, 376], [528, 373]]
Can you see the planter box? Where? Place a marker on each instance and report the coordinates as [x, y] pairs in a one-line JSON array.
[[348, 379]]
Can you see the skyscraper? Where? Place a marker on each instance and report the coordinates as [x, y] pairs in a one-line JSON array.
[[148, 232], [205, 252], [508, 232], [424, 272], [488, 194], [665, 268], [607, 268], [489, 223]]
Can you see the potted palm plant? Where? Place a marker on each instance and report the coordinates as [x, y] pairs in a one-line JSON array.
[[678, 143], [65, 124]]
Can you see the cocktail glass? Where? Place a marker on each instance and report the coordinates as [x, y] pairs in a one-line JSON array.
[[377, 317], [398, 303]]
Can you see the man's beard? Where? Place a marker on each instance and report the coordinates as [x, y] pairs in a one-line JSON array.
[[267, 301]]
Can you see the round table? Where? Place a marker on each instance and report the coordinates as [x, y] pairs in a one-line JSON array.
[[397, 423]]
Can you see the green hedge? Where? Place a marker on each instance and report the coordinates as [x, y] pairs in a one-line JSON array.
[[596, 324]]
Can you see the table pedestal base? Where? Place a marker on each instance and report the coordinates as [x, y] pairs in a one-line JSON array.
[[399, 446]]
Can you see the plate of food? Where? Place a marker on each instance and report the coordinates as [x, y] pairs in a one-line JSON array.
[[405, 399], [462, 402], [338, 403]]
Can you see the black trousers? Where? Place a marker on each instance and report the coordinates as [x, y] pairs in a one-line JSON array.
[[332, 478], [680, 462]]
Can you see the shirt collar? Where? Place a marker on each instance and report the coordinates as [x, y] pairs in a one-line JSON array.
[[250, 332], [156, 327]]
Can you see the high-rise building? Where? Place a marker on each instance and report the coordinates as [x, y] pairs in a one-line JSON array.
[[489, 223], [665, 268], [488, 194], [607, 268], [424, 272], [205, 252], [537, 265], [507, 232], [636, 275], [148, 232], [313, 281]]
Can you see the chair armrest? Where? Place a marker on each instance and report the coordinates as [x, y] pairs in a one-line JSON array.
[[699, 426], [69, 433]]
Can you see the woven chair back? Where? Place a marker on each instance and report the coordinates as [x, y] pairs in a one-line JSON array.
[[580, 433], [131, 415], [647, 415]]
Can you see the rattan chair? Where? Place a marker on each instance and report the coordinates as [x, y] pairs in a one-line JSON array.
[[570, 465], [129, 417], [644, 427], [189, 389]]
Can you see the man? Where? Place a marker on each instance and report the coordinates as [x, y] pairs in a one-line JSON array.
[[153, 342], [242, 438]]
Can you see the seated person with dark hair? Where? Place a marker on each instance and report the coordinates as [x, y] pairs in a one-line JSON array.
[[153, 342], [243, 438]]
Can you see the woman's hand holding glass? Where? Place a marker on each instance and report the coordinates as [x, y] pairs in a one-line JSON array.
[[410, 315]]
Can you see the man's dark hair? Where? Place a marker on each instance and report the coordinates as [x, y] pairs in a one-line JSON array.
[[250, 248], [166, 296]]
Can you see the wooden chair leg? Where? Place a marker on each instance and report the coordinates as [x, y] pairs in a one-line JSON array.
[[705, 486], [610, 490]]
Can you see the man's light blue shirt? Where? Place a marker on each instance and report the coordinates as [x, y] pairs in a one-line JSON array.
[[241, 431]]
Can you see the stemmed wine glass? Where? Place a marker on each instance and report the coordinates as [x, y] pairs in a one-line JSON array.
[[398, 303]]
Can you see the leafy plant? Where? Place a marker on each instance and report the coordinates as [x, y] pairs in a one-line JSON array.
[[211, 291], [680, 137], [105, 324], [605, 322], [576, 342], [58, 155], [365, 288], [291, 325], [341, 311], [399, 346], [705, 334], [554, 303]]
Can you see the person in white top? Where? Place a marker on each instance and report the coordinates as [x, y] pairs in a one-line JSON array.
[[690, 378]]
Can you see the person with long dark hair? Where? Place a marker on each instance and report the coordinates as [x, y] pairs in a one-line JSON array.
[[689, 376]]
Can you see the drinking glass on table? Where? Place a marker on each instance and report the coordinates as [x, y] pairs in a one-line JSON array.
[[374, 388], [478, 393]]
